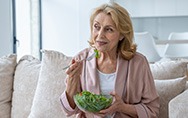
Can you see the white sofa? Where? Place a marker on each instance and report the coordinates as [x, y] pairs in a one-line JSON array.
[[30, 88]]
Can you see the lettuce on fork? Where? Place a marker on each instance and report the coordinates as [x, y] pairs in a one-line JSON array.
[[87, 101], [96, 53]]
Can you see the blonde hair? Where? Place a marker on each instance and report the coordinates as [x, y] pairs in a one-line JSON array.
[[123, 23]]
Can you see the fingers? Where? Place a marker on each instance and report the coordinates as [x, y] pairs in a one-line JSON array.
[[83, 115], [73, 61], [100, 114], [117, 101], [113, 93], [116, 96], [74, 69], [109, 111]]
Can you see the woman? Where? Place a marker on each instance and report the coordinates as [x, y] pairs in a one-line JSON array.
[[119, 71]]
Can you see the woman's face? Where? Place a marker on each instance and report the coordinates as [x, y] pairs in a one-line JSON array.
[[106, 36]]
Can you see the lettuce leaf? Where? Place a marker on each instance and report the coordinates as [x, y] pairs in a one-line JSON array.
[[96, 53], [92, 102]]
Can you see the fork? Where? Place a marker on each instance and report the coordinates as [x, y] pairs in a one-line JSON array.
[[87, 59]]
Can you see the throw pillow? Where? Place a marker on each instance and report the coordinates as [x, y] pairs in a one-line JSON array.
[[46, 103], [25, 83], [178, 106], [167, 90], [7, 67], [169, 69]]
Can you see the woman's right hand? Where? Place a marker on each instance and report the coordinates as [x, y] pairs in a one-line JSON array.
[[73, 80], [75, 69]]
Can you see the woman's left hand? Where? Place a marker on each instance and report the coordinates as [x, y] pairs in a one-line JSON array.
[[116, 106]]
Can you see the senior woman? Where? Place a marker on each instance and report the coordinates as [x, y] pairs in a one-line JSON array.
[[119, 71]]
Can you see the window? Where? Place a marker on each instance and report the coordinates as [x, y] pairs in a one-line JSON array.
[[27, 27]]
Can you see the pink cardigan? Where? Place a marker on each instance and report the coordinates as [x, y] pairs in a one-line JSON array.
[[135, 85]]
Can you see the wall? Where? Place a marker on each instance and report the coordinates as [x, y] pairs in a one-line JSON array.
[[161, 27], [66, 24], [60, 25], [155, 8], [6, 41], [159, 17]]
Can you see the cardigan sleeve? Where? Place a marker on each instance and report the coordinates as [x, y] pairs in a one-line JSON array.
[[66, 106], [149, 105], [69, 111]]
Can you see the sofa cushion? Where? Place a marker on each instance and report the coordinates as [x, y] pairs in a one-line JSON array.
[[186, 87], [169, 69], [7, 67], [167, 90], [25, 83], [178, 106], [46, 103]]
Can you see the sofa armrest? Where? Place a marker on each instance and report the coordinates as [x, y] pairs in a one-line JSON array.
[[178, 106], [186, 86]]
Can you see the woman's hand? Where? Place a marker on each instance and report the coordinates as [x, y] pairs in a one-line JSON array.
[[73, 74], [73, 80], [116, 106], [75, 69], [119, 106]]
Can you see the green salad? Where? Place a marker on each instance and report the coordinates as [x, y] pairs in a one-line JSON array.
[[96, 53], [92, 102]]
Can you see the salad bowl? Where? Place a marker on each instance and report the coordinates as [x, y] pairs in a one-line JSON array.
[[89, 102]]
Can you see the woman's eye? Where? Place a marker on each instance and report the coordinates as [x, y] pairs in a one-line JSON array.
[[96, 27], [109, 29]]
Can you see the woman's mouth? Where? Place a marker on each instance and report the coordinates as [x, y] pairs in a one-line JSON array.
[[101, 43]]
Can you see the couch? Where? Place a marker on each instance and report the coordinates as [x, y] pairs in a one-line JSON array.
[[30, 88]]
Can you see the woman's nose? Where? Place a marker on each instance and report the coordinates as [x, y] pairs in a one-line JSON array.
[[101, 33]]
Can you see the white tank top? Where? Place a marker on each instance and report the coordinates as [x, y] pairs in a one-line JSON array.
[[107, 82]]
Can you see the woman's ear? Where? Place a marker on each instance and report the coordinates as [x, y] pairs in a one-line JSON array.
[[121, 38]]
